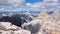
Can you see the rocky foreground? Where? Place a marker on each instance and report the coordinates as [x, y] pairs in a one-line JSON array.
[[44, 24]]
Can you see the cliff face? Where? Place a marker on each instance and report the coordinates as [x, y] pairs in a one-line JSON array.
[[48, 23]]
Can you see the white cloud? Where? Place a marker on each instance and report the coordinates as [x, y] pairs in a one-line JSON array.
[[43, 6], [11, 2], [51, 1], [11, 5], [38, 6], [35, 6], [28, 4]]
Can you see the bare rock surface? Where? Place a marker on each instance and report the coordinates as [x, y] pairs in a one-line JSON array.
[[44, 24]]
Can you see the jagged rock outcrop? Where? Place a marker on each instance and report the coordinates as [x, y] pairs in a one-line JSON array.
[[44, 24], [8, 28], [49, 23], [22, 31], [14, 18]]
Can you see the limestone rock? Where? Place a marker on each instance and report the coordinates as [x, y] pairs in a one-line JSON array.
[[44, 21], [22, 31]]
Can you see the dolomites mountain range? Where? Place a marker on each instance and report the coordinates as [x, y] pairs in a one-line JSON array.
[[44, 23]]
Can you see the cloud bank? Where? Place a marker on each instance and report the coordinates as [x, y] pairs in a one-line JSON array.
[[21, 5], [46, 5], [11, 2]]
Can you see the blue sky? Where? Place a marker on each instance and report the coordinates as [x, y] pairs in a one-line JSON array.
[[33, 1]]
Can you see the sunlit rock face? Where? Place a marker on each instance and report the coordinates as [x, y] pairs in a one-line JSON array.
[[45, 23], [22, 31], [32, 27], [2, 28], [56, 15], [8, 26], [15, 32]]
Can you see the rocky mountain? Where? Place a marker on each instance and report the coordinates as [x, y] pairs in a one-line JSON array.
[[16, 19], [43, 24]]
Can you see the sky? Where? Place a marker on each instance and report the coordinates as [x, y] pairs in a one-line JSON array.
[[33, 1], [29, 5]]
